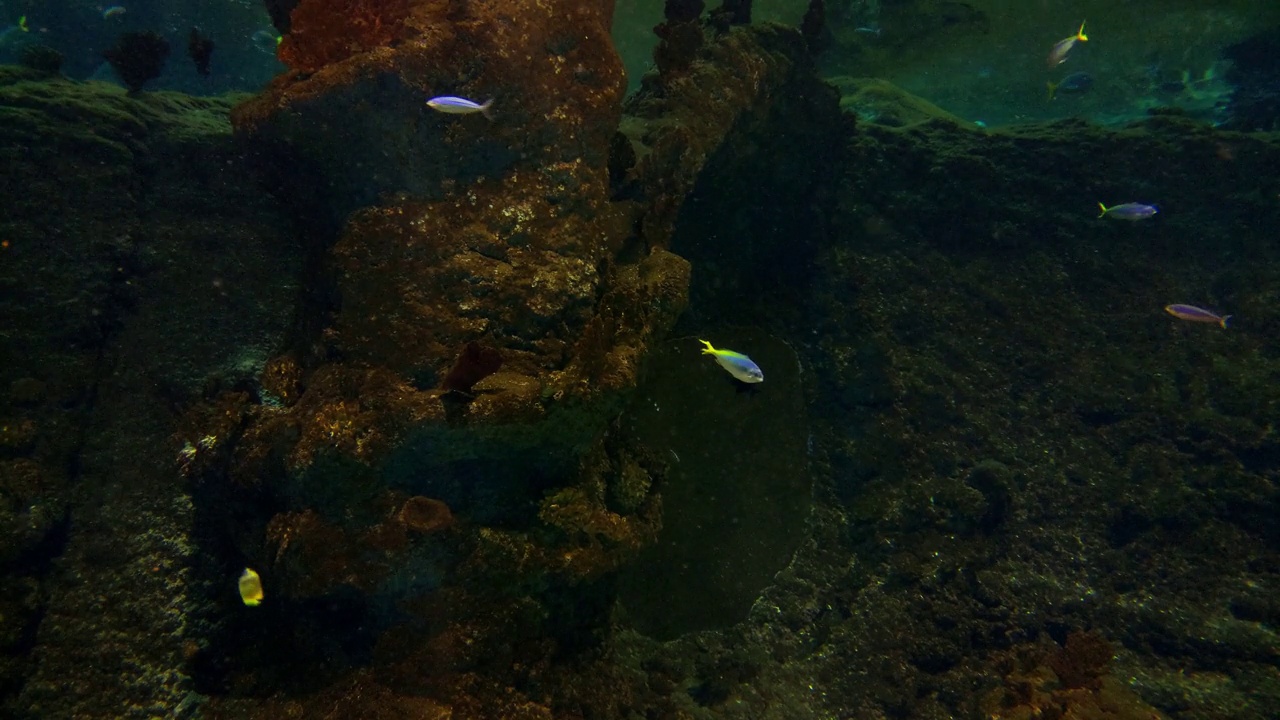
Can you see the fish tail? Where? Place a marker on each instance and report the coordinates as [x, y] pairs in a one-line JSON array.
[[1080, 33], [708, 350], [1225, 322], [1103, 208], [1053, 87], [485, 109]]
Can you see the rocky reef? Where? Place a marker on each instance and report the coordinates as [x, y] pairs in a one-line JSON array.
[[141, 271], [435, 378]]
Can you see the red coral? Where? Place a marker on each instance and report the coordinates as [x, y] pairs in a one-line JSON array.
[[327, 31]]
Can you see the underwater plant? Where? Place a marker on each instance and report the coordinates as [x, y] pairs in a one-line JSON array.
[[137, 58]]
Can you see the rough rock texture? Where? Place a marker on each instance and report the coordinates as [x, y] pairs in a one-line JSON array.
[[540, 235], [1039, 495], [1031, 444], [1027, 466], [138, 267]]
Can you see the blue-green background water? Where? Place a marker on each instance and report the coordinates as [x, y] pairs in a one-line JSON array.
[[982, 61]]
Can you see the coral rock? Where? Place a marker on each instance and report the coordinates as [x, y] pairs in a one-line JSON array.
[[327, 31], [137, 58], [424, 515]]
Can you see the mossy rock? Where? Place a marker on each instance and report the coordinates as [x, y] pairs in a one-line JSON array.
[[883, 103]]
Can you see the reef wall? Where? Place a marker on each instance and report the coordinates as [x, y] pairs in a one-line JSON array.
[[403, 395], [496, 304], [141, 269]]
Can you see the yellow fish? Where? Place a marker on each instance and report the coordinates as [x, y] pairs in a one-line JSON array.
[[250, 588], [736, 364]]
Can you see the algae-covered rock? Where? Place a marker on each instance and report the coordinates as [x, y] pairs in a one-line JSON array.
[[878, 101], [139, 263]]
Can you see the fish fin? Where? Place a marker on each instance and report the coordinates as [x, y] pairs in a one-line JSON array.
[[1225, 322], [708, 350], [1103, 208], [485, 109], [1053, 87], [1080, 33]]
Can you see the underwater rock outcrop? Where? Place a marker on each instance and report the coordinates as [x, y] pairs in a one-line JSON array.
[[138, 57], [500, 282], [171, 276], [321, 32], [1041, 495]]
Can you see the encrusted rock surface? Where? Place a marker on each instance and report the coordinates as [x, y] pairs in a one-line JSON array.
[[139, 267], [1038, 494]]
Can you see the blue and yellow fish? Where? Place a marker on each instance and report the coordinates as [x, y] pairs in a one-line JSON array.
[[1058, 53], [1128, 211], [738, 365]]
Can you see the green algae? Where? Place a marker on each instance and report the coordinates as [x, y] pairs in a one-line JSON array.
[[880, 102]]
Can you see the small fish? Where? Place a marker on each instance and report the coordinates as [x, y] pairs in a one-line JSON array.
[[1076, 82], [22, 24], [1195, 314], [1128, 211], [869, 30], [250, 588], [1058, 53], [113, 11], [738, 365], [459, 106], [265, 41]]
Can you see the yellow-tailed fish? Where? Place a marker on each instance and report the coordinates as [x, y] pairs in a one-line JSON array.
[[250, 588], [1198, 314], [1058, 53], [1128, 211], [737, 364], [22, 24]]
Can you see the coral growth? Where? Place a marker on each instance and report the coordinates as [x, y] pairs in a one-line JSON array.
[[137, 58], [200, 50], [425, 515], [475, 363], [328, 31], [1071, 681], [680, 36]]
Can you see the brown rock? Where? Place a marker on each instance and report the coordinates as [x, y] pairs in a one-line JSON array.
[[425, 515], [27, 391]]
